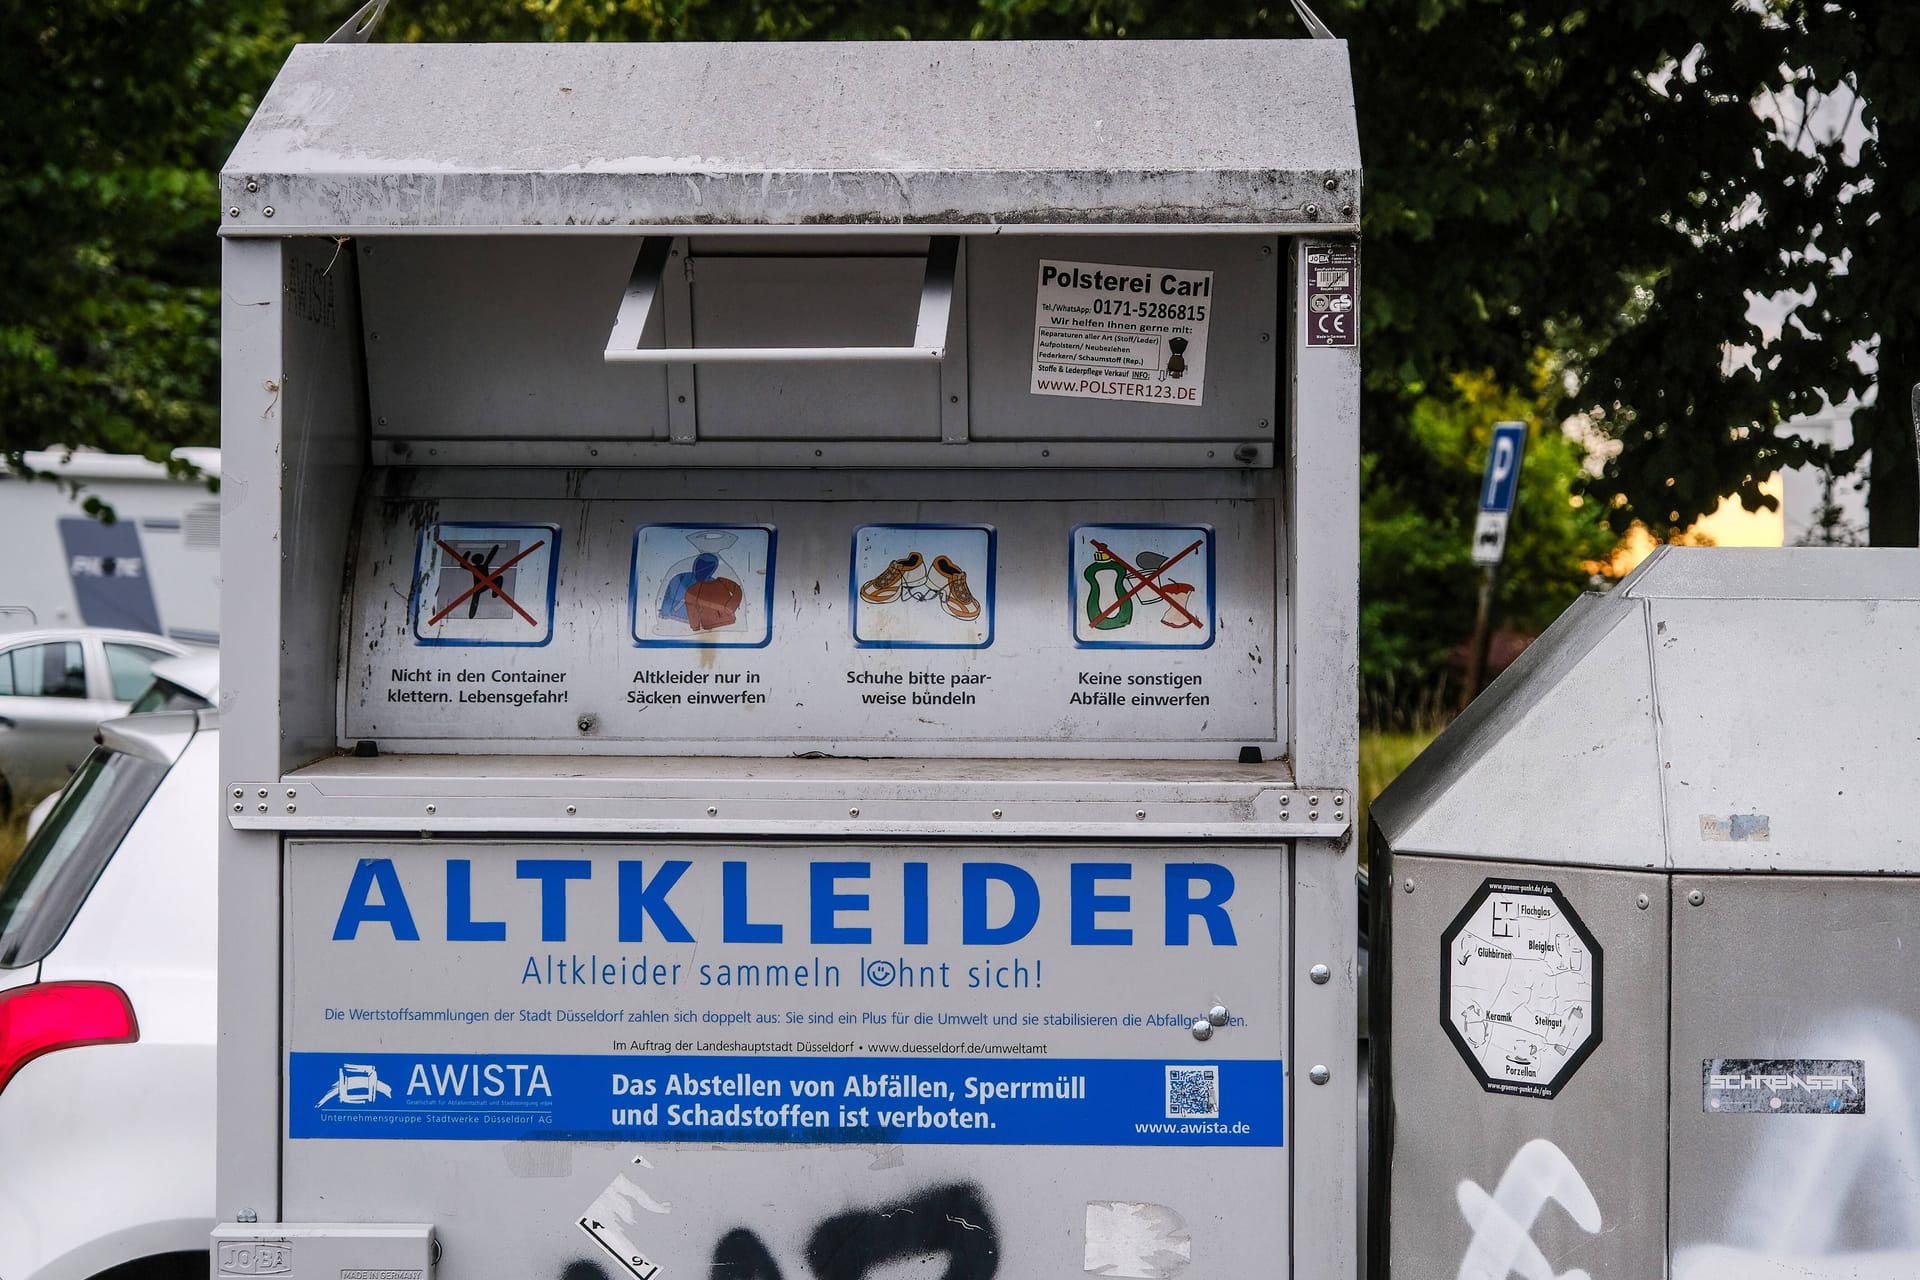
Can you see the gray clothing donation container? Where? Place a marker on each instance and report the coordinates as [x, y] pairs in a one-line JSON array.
[[789, 694], [1643, 1003]]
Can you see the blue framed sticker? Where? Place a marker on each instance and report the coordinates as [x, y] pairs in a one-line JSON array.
[[964, 1100], [701, 586], [922, 586], [1141, 586], [485, 584]]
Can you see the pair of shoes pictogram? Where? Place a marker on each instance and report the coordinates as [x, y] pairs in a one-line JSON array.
[[914, 577]]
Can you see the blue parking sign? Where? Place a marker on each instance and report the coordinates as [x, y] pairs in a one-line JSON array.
[[1502, 480]]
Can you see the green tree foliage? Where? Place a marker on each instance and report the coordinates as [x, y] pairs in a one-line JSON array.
[[1590, 180], [1596, 179], [118, 116], [1418, 584]]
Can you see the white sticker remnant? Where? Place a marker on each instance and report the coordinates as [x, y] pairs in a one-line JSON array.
[[614, 1219], [1142, 1241], [1105, 332], [1736, 827]]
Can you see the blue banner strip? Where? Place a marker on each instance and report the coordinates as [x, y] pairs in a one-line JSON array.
[[1084, 1102]]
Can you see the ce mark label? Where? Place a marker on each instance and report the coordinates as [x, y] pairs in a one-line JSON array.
[[1332, 317]]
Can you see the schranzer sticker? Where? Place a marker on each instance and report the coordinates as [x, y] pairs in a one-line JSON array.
[[1105, 332], [1785, 1086]]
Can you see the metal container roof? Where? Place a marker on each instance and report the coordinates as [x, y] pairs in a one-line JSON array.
[[1719, 710], [1238, 133]]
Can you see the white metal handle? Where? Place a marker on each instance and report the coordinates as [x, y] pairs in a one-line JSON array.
[[929, 343]]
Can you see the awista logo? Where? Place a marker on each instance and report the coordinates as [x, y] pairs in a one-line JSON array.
[[357, 1085]]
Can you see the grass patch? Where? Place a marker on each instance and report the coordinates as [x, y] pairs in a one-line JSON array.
[[1382, 757], [13, 832]]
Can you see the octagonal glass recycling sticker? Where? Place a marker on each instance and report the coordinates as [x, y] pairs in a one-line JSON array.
[[1520, 987]]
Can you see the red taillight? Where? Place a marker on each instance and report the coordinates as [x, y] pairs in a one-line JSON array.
[[47, 1016]]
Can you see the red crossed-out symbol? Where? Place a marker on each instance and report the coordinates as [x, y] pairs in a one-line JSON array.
[[1144, 580], [485, 579]]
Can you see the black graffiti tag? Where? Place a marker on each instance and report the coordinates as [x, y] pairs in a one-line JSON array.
[[950, 1220]]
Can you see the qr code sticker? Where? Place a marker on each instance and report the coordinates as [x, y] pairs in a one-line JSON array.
[[1193, 1093]]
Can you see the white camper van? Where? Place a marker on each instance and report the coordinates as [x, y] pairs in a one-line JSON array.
[[155, 568]]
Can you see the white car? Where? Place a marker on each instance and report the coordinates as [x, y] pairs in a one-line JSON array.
[[55, 689], [107, 978]]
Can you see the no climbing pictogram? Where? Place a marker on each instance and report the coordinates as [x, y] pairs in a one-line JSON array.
[[485, 584]]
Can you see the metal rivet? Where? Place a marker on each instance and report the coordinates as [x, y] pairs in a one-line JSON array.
[[817, 453], [268, 211], [1285, 801], [239, 808], [681, 399], [1313, 799], [1217, 1015], [239, 794], [291, 809], [433, 808], [1346, 211], [383, 422], [953, 399], [1321, 975], [853, 813], [292, 794], [252, 185], [1266, 337], [262, 808], [1139, 815], [1202, 1029], [374, 336], [1313, 815], [246, 1215], [996, 813], [713, 811], [234, 212], [1046, 453], [1264, 424], [1331, 184], [593, 453], [572, 809], [1407, 886], [1312, 211], [1695, 897], [1266, 251], [263, 793], [1643, 902], [1319, 1074]]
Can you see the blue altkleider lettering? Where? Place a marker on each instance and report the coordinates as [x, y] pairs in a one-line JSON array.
[[734, 925], [829, 902], [999, 903], [974, 879], [553, 874], [1088, 905], [641, 898], [461, 926], [1182, 906], [359, 907]]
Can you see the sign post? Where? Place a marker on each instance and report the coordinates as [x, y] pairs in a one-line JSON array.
[[1499, 488]]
